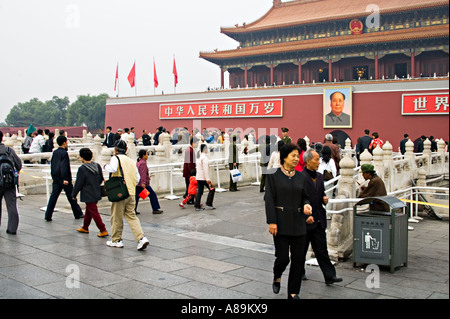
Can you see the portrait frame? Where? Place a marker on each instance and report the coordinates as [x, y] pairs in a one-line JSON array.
[[346, 119]]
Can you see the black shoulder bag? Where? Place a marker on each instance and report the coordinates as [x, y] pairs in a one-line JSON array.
[[116, 189]]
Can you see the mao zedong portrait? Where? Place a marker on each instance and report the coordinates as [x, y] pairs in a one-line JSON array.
[[337, 117]]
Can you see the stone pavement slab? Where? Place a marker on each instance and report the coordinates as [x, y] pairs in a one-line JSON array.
[[225, 253]]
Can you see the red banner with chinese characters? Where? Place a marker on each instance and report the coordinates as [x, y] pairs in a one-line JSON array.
[[223, 109], [425, 104]]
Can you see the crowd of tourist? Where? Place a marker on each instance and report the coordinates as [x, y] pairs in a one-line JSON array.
[[293, 178]]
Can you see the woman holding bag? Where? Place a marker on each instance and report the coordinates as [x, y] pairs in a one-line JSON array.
[[204, 180]]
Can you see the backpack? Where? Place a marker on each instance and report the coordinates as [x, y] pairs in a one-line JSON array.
[[8, 179]]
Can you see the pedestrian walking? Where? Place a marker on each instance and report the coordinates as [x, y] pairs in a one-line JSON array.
[[316, 224], [125, 208], [190, 158], [203, 180], [62, 180], [145, 184], [88, 181], [10, 166], [286, 203]]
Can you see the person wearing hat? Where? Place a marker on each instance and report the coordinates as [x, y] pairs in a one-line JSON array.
[[286, 139], [375, 188], [125, 208]]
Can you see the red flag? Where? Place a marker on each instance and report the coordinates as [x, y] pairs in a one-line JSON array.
[[175, 73], [132, 75], [117, 77], [155, 77]]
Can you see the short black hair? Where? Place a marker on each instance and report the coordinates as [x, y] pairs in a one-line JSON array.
[[286, 150], [86, 154], [142, 153], [332, 94], [301, 143], [60, 140]]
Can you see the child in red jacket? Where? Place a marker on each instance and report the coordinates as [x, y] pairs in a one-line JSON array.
[[192, 190]]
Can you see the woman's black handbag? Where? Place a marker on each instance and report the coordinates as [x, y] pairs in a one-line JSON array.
[[116, 189]]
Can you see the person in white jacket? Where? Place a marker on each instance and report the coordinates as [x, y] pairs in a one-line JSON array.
[[204, 180], [38, 142], [327, 164]]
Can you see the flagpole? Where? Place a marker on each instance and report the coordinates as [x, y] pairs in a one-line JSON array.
[[135, 77], [174, 84], [154, 72], [118, 81]]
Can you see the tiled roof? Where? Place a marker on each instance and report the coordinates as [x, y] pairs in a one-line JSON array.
[[299, 12], [341, 41]]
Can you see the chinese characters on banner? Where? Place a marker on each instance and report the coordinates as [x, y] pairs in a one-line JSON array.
[[425, 104], [228, 109]]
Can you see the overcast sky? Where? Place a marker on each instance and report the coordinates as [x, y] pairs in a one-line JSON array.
[[69, 48]]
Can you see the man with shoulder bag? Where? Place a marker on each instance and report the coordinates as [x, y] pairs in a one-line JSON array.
[[10, 166], [123, 166]]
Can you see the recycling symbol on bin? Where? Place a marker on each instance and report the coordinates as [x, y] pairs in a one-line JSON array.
[[371, 240]]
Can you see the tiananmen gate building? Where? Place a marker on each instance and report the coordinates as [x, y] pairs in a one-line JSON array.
[[388, 59]]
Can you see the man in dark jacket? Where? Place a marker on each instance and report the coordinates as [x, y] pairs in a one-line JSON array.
[[62, 180], [363, 144], [89, 179], [317, 223], [109, 137], [146, 139], [10, 193]]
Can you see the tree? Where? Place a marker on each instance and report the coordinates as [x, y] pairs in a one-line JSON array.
[[38, 113], [87, 110]]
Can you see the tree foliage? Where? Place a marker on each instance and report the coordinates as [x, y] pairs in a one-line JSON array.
[[86, 110]]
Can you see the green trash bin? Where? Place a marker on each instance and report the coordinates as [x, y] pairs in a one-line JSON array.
[[381, 237]]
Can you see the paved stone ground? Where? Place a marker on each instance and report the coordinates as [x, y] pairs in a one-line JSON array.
[[226, 253]]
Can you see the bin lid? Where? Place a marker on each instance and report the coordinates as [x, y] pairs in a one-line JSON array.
[[393, 202]]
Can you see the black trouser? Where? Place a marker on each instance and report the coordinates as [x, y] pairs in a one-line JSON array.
[[198, 198], [296, 246], [318, 239], [56, 191], [233, 186], [11, 206]]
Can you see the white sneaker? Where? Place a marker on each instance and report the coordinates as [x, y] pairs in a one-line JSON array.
[[210, 207], [117, 244], [143, 243]]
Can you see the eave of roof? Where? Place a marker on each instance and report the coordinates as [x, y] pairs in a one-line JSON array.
[[297, 12], [341, 41]]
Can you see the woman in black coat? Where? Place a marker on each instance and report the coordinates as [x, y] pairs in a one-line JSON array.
[[89, 179], [286, 204]]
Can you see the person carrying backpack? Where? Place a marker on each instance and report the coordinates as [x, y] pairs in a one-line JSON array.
[[10, 166]]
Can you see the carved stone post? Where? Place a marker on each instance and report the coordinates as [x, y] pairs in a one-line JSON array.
[[340, 234], [441, 152], [97, 149], [105, 156], [427, 155], [131, 148], [378, 161], [226, 147], [388, 166]]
